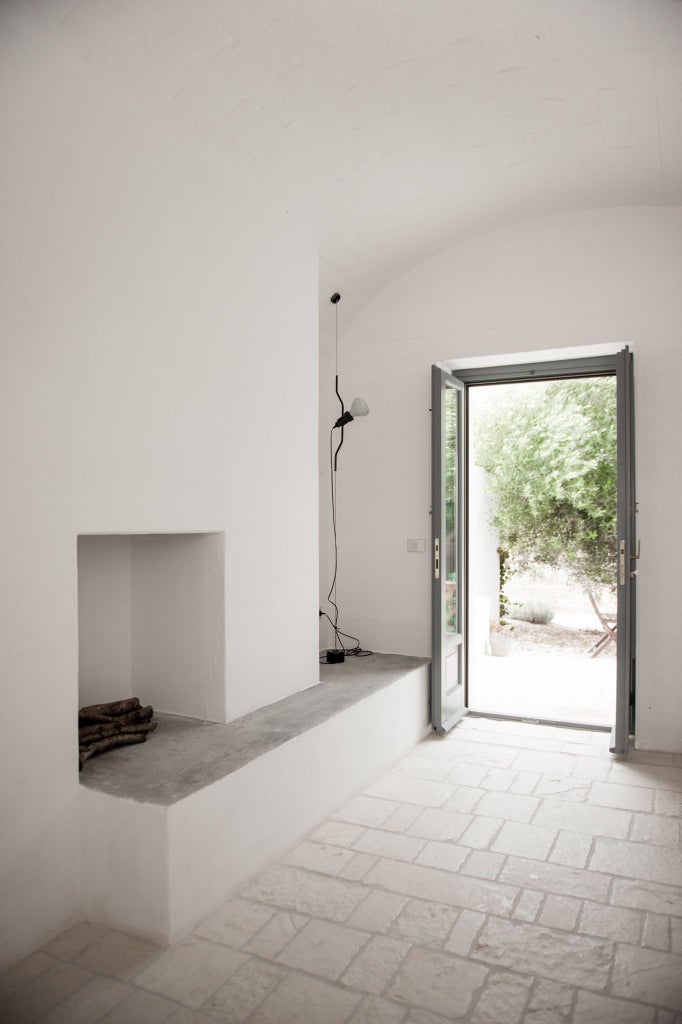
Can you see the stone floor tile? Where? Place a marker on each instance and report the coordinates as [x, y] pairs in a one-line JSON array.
[[571, 849], [74, 940], [651, 776], [525, 783], [33, 1000], [585, 818], [120, 956], [528, 905], [27, 970], [560, 912], [375, 1010], [591, 1008], [275, 934], [306, 1001], [322, 857], [649, 976], [481, 832], [464, 774], [425, 1017], [243, 992], [437, 982], [377, 912], [367, 810], [436, 769], [676, 935], [389, 844], [653, 757], [402, 818], [337, 833], [668, 1017], [442, 887], [628, 798], [524, 840], [434, 823], [323, 948], [634, 860], [467, 926], [306, 893], [549, 761], [88, 1003], [190, 971], [550, 1003], [503, 999], [424, 923], [659, 899], [402, 789], [530, 949], [482, 753], [446, 856], [357, 867], [565, 788], [187, 1016], [464, 799], [534, 874], [509, 806], [235, 922], [615, 923], [593, 769], [668, 803], [656, 830], [375, 965], [656, 934], [483, 864], [141, 1008], [498, 780]]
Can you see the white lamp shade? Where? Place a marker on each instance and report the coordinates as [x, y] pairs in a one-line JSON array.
[[359, 407]]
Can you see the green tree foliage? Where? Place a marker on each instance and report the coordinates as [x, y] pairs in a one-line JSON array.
[[550, 452]]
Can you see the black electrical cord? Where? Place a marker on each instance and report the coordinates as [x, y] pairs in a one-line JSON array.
[[356, 651]]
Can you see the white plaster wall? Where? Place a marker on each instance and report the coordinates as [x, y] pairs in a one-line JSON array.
[[178, 611], [222, 835], [104, 619], [154, 317], [597, 277]]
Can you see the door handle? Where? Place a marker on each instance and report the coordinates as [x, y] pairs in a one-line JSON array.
[[436, 558], [621, 563]]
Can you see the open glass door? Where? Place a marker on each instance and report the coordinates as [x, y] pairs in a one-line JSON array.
[[628, 553], [448, 562]]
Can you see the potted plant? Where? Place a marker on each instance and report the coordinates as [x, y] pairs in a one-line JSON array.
[[501, 639]]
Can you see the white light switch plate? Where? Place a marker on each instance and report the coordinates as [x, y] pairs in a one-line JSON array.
[[416, 546]]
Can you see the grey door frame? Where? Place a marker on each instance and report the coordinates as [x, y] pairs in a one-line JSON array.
[[443, 715], [620, 366]]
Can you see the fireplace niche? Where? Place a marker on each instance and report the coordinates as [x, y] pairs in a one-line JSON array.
[[151, 621]]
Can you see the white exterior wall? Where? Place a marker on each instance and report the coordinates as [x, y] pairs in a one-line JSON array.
[[153, 318], [605, 277]]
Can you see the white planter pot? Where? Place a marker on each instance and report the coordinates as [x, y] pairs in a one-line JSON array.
[[500, 646]]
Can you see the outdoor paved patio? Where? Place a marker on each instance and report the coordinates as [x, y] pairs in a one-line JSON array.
[[505, 873], [556, 687]]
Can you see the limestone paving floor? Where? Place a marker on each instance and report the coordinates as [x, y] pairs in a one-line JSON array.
[[508, 872]]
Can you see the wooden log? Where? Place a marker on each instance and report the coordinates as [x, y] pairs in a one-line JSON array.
[[100, 746], [89, 733], [96, 712], [139, 717]]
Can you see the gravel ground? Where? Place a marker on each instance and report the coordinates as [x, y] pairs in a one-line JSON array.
[[553, 639]]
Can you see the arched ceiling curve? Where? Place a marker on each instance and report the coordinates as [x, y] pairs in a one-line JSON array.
[[400, 127]]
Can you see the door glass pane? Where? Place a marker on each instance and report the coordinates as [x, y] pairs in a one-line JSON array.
[[451, 612]]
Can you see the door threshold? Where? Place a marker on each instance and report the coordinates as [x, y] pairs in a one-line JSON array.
[[541, 721]]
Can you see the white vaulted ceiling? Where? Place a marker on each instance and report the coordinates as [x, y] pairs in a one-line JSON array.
[[400, 127]]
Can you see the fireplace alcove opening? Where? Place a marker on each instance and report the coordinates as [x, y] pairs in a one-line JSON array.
[[151, 621]]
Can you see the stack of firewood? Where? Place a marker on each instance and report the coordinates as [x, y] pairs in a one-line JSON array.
[[118, 724]]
